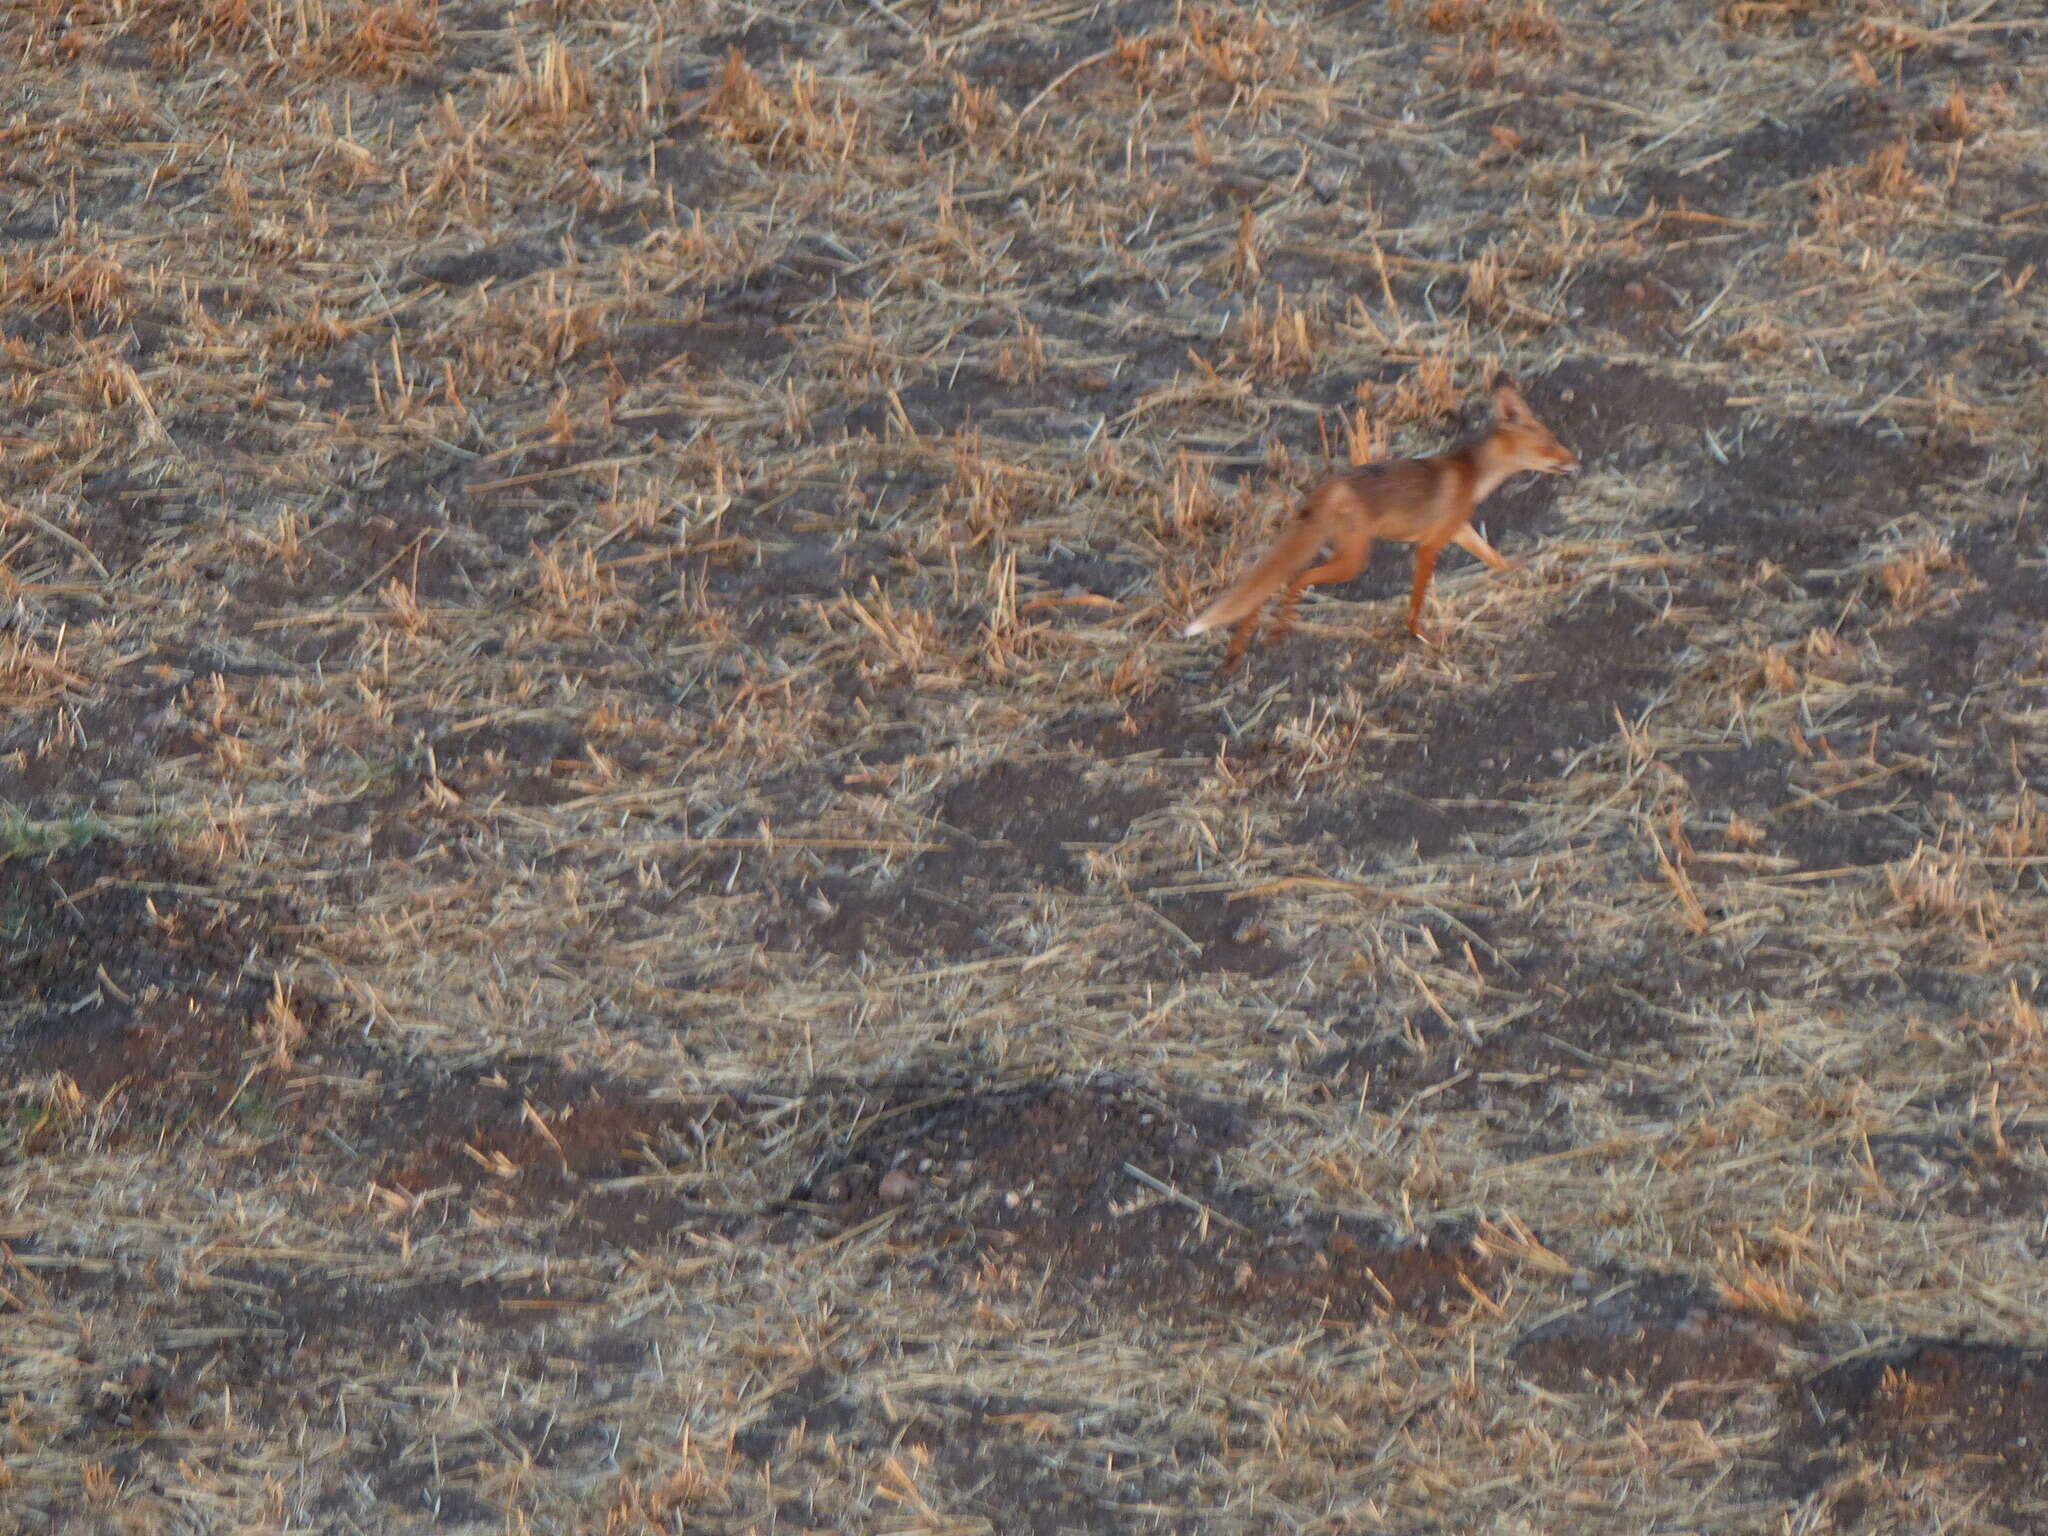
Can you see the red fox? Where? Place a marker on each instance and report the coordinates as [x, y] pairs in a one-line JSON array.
[[1425, 502]]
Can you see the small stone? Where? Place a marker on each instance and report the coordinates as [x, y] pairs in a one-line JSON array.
[[897, 1187]]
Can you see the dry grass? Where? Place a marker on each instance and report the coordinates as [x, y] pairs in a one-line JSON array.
[[622, 913]]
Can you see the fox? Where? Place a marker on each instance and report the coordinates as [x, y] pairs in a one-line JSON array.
[[1425, 502]]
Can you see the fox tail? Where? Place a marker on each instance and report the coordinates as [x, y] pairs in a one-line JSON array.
[[1294, 550]]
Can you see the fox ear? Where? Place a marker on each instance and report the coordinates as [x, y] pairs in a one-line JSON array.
[[1508, 401]]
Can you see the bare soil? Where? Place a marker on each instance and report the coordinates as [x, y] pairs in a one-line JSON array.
[[622, 910]]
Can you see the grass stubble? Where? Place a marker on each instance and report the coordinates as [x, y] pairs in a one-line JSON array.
[[623, 914]]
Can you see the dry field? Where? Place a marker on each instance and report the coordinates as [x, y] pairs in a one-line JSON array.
[[622, 911]]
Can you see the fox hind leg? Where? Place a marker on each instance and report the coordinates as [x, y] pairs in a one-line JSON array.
[[1345, 562], [1240, 638], [1347, 559]]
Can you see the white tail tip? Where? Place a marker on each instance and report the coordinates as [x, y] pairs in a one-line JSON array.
[[1195, 628]]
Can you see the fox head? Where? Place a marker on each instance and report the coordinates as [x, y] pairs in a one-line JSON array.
[[1528, 444]]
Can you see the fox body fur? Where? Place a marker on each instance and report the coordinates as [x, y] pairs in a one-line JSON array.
[[1424, 502]]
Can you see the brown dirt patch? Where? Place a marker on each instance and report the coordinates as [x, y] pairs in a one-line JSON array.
[[1971, 1411], [594, 1161], [1034, 820], [141, 984], [1106, 1194], [1683, 1350]]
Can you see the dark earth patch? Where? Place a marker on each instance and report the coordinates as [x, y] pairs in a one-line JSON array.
[[1020, 66], [520, 762], [402, 535], [1033, 820], [1214, 933], [1115, 1199], [258, 1329], [152, 997], [127, 517], [1050, 1467], [1043, 1465], [505, 262], [61, 752], [1979, 656], [596, 1161], [678, 349], [852, 918], [334, 378], [151, 990], [1599, 657], [817, 566], [1593, 1030], [1168, 724], [1682, 1348], [1632, 298], [957, 402], [1775, 151], [1620, 415], [1978, 1412], [1798, 803], [817, 1403], [2002, 1180], [1805, 493]]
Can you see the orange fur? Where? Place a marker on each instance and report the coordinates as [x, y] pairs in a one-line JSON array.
[[1424, 502]]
